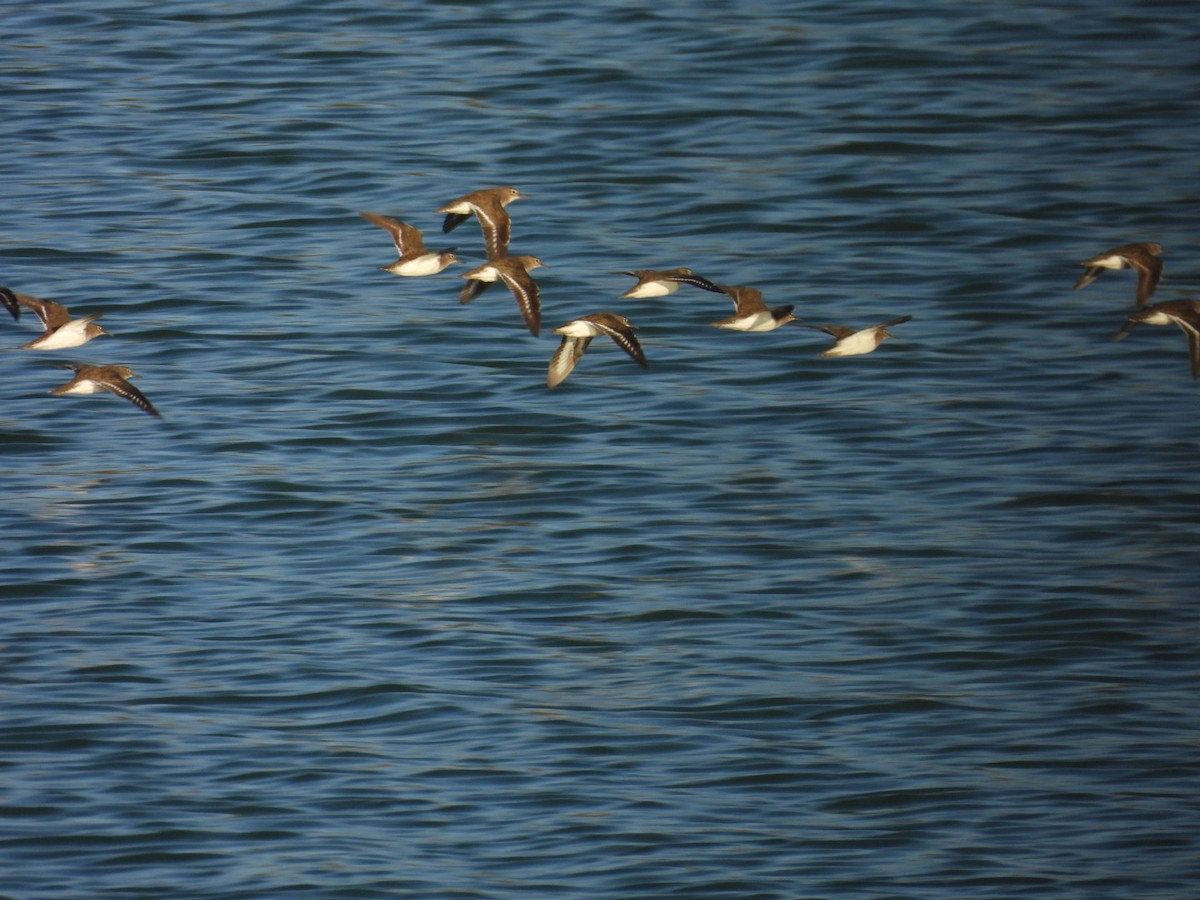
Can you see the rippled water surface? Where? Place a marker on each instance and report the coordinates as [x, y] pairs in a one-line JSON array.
[[372, 613]]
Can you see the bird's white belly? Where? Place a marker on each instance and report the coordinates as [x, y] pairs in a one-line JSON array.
[[653, 289], [1156, 318], [429, 264], [578, 330], [488, 274], [762, 321], [863, 342], [73, 334]]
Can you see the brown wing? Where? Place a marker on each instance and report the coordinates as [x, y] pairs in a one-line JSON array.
[[622, 333], [1129, 325], [496, 226], [407, 238], [53, 315], [9, 299], [687, 276], [526, 292], [1087, 277], [746, 300], [123, 388], [837, 331], [472, 289], [1149, 270], [563, 362], [1187, 317], [657, 274]]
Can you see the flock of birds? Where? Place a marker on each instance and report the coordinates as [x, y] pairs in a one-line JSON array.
[[1144, 259], [750, 312], [514, 270], [61, 332], [488, 207]]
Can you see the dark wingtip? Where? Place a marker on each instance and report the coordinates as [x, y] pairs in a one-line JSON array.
[[9, 299], [701, 282]]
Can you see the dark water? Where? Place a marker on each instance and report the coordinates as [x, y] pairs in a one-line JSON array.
[[371, 613]]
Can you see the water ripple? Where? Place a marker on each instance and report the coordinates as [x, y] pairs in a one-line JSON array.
[[373, 613]]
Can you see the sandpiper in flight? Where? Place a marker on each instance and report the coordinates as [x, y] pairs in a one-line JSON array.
[[61, 331], [514, 272], [852, 342], [1184, 313], [578, 333], [660, 282], [414, 259], [1142, 258], [751, 313], [488, 207], [94, 379]]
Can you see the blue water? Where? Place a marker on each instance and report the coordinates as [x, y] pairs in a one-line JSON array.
[[372, 613]]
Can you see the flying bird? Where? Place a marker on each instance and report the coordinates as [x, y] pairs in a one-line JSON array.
[[413, 258], [750, 313], [60, 330], [1142, 258], [514, 272], [1184, 313], [577, 335], [660, 282], [854, 342], [94, 379], [488, 207]]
